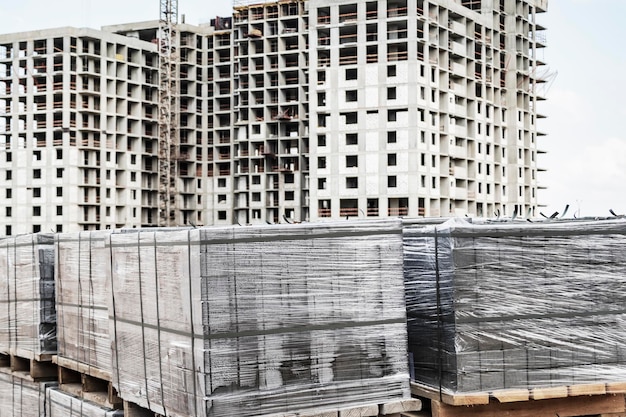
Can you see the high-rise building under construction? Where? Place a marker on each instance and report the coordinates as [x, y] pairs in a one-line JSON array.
[[287, 111]]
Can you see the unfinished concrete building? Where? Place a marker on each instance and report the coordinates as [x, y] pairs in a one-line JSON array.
[[291, 111], [424, 108], [386, 108], [78, 118], [79, 128]]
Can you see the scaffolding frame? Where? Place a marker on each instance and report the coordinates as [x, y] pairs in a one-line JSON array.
[[169, 67]]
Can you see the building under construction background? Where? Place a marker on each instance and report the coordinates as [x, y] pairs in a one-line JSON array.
[[283, 112]]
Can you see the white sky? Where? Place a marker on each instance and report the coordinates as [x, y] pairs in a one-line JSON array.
[[23, 15], [586, 142]]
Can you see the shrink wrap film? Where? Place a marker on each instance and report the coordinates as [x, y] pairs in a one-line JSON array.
[[21, 397], [254, 321], [82, 299], [516, 305], [62, 404], [27, 295]]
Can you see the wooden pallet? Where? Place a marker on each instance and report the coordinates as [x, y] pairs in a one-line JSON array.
[[81, 367], [88, 387], [516, 395], [566, 401], [400, 408], [28, 366], [27, 354], [562, 407]]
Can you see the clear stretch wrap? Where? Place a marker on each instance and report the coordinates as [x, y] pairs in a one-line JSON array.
[[516, 305], [27, 306], [20, 397], [82, 299], [62, 404], [274, 319]]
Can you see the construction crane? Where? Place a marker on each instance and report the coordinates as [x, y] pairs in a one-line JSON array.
[[168, 111]]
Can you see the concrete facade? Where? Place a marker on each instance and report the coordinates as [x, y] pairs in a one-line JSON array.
[[79, 128], [290, 111], [424, 108], [77, 118], [386, 108]]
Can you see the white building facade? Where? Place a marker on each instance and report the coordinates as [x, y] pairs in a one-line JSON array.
[[424, 108], [292, 111], [79, 128]]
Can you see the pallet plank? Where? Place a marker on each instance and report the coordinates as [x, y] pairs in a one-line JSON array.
[[365, 411], [431, 393], [412, 404], [563, 407], [586, 389], [511, 395], [81, 367], [548, 393], [28, 354], [616, 388]]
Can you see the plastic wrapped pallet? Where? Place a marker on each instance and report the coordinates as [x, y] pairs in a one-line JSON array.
[[274, 319], [20, 397], [516, 305], [62, 404], [27, 310], [82, 302]]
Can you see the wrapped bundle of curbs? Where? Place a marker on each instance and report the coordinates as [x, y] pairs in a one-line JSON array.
[[61, 404], [21, 397], [516, 305], [28, 315], [82, 302], [254, 321]]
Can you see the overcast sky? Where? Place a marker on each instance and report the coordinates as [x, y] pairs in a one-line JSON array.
[[586, 141]]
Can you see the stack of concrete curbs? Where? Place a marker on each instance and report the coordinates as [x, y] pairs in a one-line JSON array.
[[260, 320], [27, 320], [82, 301], [21, 397], [61, 404], [516, 305], [28, 315]]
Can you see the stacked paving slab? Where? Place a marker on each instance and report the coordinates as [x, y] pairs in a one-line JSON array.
[[83, 292], [259, 320], [62, 404], [29, 266], [305, 318], [516, 305], [27, 296], [22, 397]]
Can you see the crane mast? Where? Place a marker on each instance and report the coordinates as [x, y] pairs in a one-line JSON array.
[[168, 111]]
